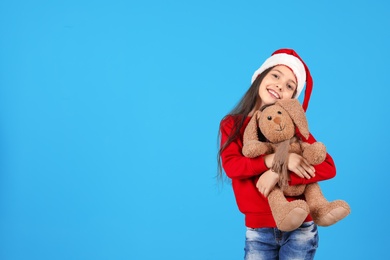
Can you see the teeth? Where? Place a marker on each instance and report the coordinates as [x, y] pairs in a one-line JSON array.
[[273, 93]]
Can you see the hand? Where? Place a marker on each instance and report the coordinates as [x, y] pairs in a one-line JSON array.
[[267, 182], [298, 165]]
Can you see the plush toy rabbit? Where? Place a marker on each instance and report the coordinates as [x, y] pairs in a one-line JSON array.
[[277, 123]]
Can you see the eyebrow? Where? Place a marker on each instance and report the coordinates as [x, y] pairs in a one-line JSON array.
[[279, 71]]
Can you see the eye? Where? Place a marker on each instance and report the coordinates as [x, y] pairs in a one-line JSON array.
[[291, 87], [275, 76], [279, 112], [269, 117]]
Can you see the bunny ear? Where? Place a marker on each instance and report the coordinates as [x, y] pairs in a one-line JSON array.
[[250, 133], [297, 114]]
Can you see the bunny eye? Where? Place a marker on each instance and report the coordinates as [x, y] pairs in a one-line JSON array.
[[279, 112], [269, 117]]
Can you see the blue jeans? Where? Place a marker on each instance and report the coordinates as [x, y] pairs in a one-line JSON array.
[[271, 243]]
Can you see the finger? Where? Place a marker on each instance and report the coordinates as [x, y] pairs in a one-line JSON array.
[[298, 172], [258, 185], [309, 170], [304, 173], [261, 190], [308, 167]]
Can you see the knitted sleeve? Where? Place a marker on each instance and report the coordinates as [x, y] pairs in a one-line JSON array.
[[234, 163]]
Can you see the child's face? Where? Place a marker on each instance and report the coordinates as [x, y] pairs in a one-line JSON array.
[[279, 83]]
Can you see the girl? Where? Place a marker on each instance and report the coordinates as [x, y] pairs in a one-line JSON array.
[[281, 76]]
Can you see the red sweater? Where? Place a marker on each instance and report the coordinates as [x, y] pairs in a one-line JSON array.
[[245, 172]]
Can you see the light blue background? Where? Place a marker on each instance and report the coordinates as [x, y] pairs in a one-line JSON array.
[[109, 114]]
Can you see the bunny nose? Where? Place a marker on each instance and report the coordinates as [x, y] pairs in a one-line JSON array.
[[277, 120]]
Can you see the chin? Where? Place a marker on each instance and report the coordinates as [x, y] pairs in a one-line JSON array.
[[270, 101]]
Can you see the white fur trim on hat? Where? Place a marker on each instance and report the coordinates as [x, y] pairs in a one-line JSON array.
[[288, 60]]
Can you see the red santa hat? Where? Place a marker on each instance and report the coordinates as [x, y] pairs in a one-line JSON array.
[[290, 58]]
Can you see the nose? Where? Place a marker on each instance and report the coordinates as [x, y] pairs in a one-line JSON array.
[[277, 120]]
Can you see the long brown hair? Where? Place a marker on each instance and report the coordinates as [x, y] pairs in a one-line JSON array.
[[240, 112]]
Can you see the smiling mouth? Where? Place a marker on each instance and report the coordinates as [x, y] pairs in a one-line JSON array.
[[274, 94]]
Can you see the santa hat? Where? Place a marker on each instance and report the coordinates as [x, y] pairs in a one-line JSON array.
[[290, 58]]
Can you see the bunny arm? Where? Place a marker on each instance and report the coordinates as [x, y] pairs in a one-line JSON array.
[[314, 153], [254, 148]]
